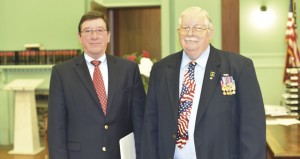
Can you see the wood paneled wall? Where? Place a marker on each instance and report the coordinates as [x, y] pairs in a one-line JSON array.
[[137, 29]]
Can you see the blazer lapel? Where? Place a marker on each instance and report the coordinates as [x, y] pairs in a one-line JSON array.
[[84, 75], [113, 73], [209, 85], [172, 73]]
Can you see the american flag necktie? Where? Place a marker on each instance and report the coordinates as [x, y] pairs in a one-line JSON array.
[[99, 85], [185, 106]]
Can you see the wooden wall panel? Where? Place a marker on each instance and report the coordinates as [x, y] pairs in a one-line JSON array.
[[230, 26], [137, 29]]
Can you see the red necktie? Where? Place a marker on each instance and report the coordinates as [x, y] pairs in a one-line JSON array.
[[99, 85], [185, 106]]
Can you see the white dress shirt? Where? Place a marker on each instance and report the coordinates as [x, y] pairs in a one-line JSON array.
[[103, 68], [188, 151]]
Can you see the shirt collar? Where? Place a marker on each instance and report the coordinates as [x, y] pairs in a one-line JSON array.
[[88, 59], [201, 61]]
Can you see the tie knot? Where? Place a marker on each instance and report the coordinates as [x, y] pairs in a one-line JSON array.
[[95, 62], [192, 64]]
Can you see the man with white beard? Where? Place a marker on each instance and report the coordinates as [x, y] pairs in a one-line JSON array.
[[203, 102]]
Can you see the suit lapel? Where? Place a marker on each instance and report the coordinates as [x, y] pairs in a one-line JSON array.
[[172, 73], [113, 73], [84, 75], [209, 85]]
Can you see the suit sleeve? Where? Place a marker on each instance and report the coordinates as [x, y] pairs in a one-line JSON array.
[[138, 105], [57, 118], [252, 126], [150, 127]]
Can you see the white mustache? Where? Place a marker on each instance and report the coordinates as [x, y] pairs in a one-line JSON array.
[[190, 39]]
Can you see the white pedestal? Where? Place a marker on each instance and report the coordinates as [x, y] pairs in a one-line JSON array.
[[26, 133]]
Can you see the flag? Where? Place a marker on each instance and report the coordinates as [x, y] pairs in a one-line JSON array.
[[292, 55]]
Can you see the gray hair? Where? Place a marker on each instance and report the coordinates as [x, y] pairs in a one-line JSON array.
[[197, 10]]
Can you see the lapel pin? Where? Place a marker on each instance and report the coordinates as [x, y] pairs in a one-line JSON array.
[[211, 75]]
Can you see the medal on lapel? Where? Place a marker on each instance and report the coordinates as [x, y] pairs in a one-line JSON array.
[[228, 85]]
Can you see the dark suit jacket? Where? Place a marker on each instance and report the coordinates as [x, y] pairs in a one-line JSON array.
[[227, 126], [77, 127]]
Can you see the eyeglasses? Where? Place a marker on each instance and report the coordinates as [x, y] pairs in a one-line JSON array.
[[185, 30], [98, 31]]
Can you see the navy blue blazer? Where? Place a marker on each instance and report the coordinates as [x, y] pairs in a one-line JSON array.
[[77, 127], [227, 126]]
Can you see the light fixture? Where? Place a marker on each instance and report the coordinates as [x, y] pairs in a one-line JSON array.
[[263, 8], [262, 17]]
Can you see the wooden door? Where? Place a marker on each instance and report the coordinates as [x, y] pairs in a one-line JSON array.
[[137, 29]]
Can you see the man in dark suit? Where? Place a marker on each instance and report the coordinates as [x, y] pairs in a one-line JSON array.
[[203, 103], [86, 122]]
